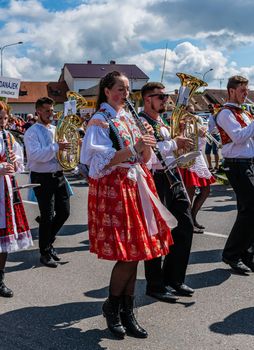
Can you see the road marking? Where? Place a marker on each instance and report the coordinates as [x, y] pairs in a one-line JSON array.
[[30, 202], [215, 234]]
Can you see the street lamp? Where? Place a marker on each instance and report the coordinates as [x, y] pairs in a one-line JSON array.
[[1, 52], [209, 70]]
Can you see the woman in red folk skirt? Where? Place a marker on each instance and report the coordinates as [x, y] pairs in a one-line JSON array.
[[198, 177], [127, 223], [14, 230]]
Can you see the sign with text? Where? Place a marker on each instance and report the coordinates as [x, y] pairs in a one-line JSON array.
[[9, 87]]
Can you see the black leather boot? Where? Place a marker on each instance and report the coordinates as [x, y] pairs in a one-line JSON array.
[[4, 291], [128, 318], [111, 310]]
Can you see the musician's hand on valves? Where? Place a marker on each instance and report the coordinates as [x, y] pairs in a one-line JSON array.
[[7, 169], [63, 145], [183, 142], [144, 142], [149, 128]]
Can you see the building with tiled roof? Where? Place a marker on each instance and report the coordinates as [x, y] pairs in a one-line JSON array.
[[31, 91], [80, 76]]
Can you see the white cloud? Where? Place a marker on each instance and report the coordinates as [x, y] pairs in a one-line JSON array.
[[104, 30]]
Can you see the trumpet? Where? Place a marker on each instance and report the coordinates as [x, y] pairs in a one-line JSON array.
[[210, 139]]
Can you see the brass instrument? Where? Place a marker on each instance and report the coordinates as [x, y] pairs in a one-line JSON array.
[[184, 123], [67, 130], [172, 179]]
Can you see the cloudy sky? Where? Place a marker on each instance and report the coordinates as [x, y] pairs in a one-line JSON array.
[[200, 35]]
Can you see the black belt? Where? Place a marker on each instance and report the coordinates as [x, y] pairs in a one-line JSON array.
[[58, 173], [239, 160]]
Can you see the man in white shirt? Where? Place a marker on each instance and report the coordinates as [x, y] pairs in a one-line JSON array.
[[52, 195], [236, 128]]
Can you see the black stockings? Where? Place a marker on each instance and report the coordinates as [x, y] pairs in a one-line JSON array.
[[198, 201], [123, 278]]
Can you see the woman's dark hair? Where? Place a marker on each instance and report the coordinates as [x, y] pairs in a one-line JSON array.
[[107, 82]]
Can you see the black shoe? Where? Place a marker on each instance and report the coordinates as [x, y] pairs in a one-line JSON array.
[[165, 296], [128, 318], [47, 260], [182, 289], [237, 265], [53, 254], [198, 230], [111, 311], [5, 291]]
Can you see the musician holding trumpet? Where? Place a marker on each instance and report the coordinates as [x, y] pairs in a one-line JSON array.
[[127, 222], [14, 229]]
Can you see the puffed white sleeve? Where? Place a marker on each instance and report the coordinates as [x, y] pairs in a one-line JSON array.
[[17, 149], [97, 151]]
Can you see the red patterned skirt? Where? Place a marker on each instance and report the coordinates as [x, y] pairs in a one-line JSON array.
[[190, 179], [117, 227], [16, 235]]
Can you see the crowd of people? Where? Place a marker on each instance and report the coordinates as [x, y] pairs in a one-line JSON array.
[[135, 211]]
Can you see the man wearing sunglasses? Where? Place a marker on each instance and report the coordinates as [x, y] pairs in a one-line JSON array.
[[172, 272]]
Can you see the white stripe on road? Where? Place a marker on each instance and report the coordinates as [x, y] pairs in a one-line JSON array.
[[30, 202], [215, 234]]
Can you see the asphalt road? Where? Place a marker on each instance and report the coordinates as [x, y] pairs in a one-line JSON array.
[[60, 309]]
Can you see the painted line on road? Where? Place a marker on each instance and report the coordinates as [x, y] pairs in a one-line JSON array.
[[30, 202], [215, 234]]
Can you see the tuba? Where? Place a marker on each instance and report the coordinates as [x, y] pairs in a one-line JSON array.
[[184, 123], [67, 130]]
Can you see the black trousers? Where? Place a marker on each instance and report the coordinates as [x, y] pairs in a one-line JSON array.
[[174, 266], [54, 205], [241, 237]]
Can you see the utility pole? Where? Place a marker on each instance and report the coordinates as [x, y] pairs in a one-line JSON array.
[[164, 63]]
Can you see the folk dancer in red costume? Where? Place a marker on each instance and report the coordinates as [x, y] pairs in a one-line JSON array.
[[14, 230], [126, 220], [236, 129]]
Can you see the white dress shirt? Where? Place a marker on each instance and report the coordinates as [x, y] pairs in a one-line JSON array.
[[242, 145], [166, 147], [41, 149]]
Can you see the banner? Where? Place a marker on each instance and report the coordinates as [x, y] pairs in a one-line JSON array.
[[9, 87]]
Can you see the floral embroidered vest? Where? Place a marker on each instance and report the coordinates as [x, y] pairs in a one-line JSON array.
[[156, 125], [225, 138]]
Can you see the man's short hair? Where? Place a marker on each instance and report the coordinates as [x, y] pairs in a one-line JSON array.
[[43, 100], [149, 87], [235, 81]]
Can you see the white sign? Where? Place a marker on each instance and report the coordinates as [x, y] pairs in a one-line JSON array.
[[70, 107], [9, 87]]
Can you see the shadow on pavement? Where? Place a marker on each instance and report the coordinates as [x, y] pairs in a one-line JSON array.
[[52, 327], [28, 259], [205, 256], [208, 278], [66, 230], [221, 209], [240, 322]]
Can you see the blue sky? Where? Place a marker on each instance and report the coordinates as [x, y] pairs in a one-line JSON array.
[[201, 35]]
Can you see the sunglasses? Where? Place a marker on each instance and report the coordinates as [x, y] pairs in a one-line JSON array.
[[160, 96]]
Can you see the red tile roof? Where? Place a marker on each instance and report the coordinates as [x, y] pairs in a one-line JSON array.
[[30, 91]]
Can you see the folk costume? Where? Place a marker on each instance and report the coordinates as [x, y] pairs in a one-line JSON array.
[[236, 129], [173, 271], [198, 175], [14, 229], [126, 220]]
